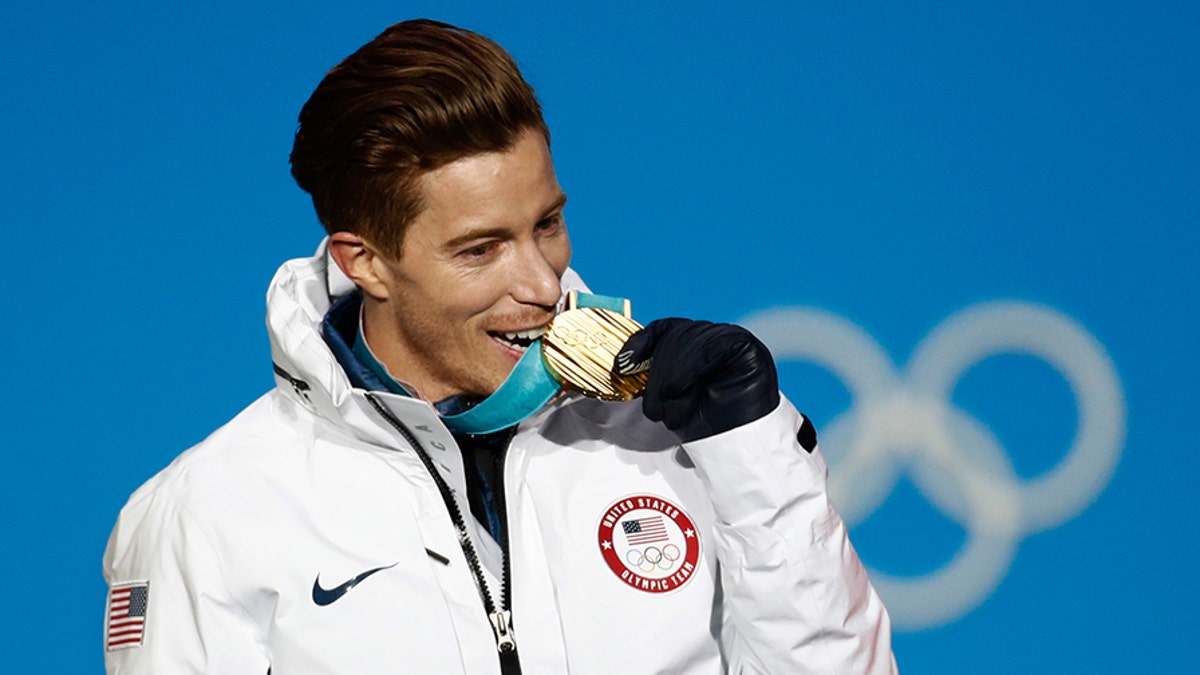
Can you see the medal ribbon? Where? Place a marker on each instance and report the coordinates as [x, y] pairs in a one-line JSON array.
[[528, 387]]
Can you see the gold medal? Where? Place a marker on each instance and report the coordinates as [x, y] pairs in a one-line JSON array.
[[580, 347]]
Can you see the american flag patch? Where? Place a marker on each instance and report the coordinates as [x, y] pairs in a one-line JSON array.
[[646, 530], [126, 622]]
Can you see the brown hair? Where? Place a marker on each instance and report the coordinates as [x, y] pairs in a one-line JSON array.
[[419, 96]]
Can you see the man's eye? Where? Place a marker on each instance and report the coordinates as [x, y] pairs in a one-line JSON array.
[[549, 224], [479, 250]]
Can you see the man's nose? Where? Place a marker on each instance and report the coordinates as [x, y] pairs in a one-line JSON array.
[[535, 281]]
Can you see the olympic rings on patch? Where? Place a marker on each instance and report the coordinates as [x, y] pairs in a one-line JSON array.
[[653, 558]]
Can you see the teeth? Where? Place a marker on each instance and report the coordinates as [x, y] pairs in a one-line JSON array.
[[532, 334], [520, 346], [521, 339]]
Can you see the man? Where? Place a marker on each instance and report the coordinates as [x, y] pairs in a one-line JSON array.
[[400, 503]]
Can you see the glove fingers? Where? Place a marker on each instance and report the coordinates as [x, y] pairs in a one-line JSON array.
[[703, 378], [637, 353], [680, 382], [694, 351]]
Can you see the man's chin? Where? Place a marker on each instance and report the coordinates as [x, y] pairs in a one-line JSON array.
[[483, 381], [498, 377]]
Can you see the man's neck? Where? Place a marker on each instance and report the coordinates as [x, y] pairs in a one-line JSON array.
[[368, 358]]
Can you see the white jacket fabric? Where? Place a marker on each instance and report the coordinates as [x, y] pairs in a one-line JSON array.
[[314, 485]]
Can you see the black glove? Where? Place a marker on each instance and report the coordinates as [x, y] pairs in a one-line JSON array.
[[706, 378]]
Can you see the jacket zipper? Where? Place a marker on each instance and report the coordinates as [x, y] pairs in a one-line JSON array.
[[509, 663], [500, 618]]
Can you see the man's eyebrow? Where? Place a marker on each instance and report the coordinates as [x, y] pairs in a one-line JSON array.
[[500, 232], [472, 235], [557, 205]]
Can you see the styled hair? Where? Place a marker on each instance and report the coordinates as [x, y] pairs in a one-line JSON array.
[[421, 95]]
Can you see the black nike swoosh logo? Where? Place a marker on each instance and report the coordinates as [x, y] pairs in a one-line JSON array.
[[323, 596]]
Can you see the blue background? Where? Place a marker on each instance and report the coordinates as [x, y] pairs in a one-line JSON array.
[[891, 163]]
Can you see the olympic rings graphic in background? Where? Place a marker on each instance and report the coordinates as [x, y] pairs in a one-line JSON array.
[[904, 424]]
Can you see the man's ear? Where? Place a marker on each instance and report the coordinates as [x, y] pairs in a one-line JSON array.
[[359, 261]]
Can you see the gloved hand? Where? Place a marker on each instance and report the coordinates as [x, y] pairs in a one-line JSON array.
[[706, 378]]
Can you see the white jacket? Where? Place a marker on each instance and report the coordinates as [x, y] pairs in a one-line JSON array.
[[315, 486]]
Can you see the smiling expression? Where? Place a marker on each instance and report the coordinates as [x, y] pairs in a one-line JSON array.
[[478, 276]]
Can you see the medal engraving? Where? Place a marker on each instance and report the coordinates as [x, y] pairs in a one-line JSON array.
[[580, 347]]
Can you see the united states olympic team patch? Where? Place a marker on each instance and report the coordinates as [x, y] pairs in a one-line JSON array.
[[649, 543]]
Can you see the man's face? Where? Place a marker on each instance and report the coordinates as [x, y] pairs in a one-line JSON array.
[[478, 276]]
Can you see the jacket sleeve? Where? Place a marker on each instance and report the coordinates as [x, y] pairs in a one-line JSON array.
[[796, 598], [192, 623]]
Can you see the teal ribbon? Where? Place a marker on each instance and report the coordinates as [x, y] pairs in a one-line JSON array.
[[526, 389], [602, 302]]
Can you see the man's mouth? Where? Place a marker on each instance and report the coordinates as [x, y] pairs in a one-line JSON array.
[[519, 340]]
